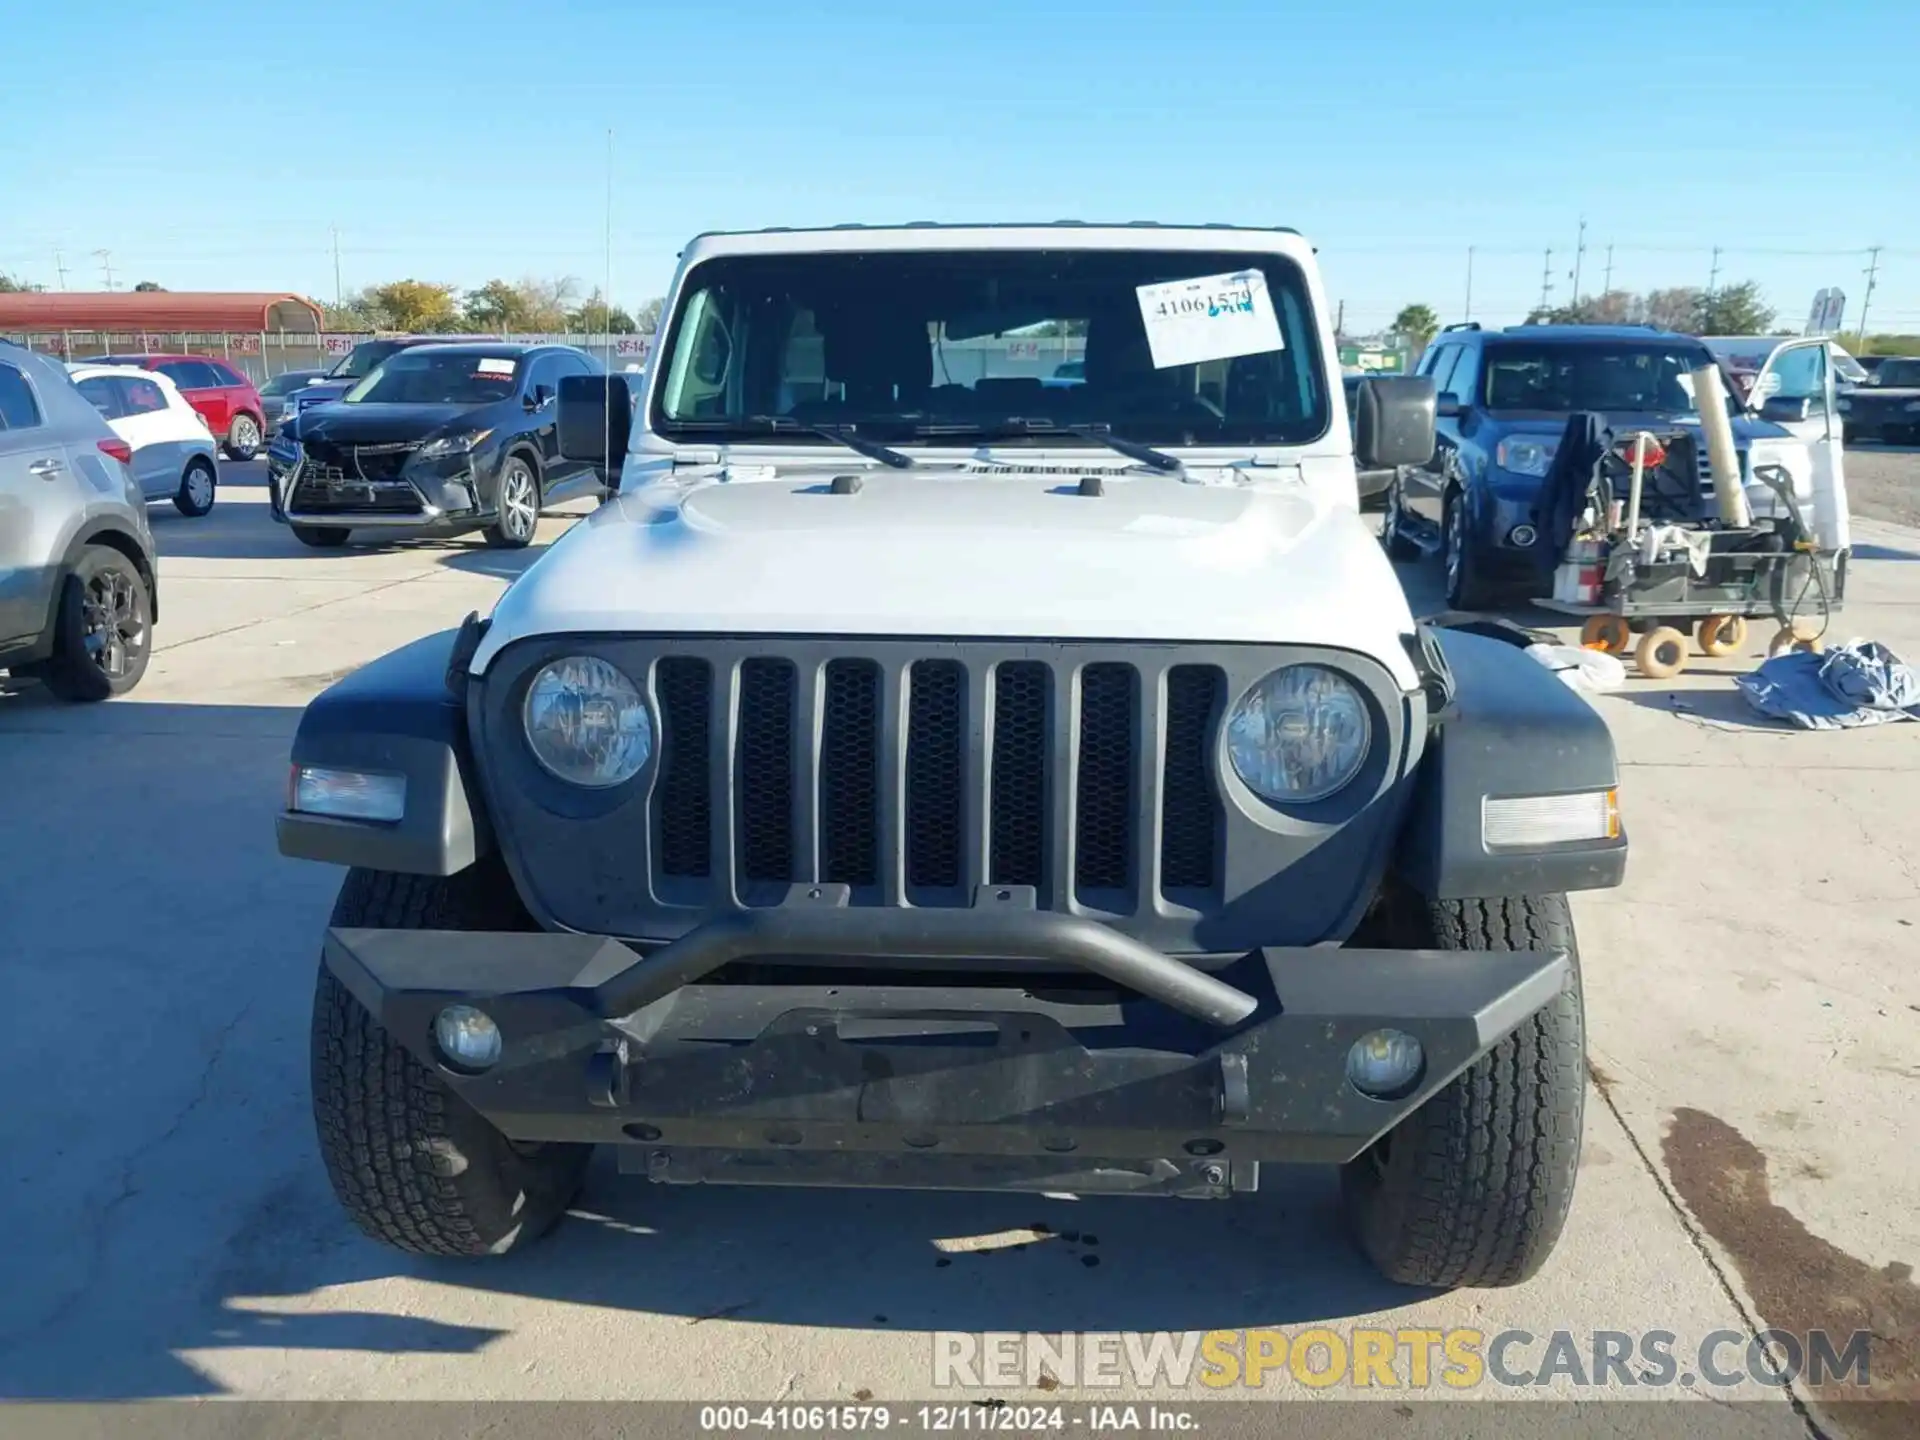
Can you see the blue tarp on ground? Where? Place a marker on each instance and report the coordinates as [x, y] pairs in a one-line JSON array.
[[1863, 683]]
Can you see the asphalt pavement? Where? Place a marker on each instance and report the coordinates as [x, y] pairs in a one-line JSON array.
[[1752, 1146]]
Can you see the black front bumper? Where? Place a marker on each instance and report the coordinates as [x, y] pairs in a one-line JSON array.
[[1165, 1079]]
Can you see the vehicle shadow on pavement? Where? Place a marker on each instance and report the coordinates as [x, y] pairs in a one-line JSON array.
[[1716, 707]]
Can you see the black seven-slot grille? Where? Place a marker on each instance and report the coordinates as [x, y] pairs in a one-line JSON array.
[[915, 780]]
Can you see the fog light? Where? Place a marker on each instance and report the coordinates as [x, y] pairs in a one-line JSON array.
[[348, 794], [1521, 536], [1383, 1063], [467, 1037]]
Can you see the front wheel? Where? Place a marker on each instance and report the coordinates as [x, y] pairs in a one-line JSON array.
[[412, 1164], [1473, 1188], [1461, 556], [519, 506], [243, 437]]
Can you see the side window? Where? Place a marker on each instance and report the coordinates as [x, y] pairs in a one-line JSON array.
[[226, 374], [1442, 368], [1431, 362], [18, 409], [1799, 374], [1466, 370], [544, 375], [142, 397], [103, 393]]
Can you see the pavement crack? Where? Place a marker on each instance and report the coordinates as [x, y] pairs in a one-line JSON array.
[[1603, 1083], [100, 1226]]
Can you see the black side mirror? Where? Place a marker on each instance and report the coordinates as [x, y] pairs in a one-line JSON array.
[[539, 399], [1449, 406], [595, 423], [1394, 423], [1788, 410]]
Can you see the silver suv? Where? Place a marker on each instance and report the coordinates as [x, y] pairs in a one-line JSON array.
[[78, 584]]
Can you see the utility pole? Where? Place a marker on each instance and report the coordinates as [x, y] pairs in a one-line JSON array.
[[338, 298], [1713, 275], [1469, 314], [1873, 272], [1579, 255], [1606, 285], [1546, 279], [60, 266], [106, 263]]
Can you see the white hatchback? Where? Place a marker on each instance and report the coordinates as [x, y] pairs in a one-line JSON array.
[[173, 450]]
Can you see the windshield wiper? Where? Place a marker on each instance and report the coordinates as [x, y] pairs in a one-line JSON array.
[[840, 434], [1100, 434]]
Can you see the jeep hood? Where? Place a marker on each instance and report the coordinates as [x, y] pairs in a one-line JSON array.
[[930, 554]]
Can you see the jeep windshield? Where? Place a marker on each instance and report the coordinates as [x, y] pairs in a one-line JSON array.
[[1654, 379], [426, 377], [945, 346]]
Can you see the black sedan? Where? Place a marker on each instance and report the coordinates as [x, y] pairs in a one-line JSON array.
[[440, 438]]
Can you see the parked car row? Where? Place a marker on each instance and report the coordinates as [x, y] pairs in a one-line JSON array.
[[232, 406], [1887, 407]]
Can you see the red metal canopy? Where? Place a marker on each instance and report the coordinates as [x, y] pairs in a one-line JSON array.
[[159, 311]]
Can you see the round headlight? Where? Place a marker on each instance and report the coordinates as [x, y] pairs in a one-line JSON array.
[[587, 723], [1299, 735]]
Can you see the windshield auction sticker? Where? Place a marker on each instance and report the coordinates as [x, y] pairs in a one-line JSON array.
[[1213, 317]]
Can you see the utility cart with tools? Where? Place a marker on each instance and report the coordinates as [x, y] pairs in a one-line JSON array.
[[1644, 550]]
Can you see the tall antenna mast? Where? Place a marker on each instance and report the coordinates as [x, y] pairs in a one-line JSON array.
[[606, 313]]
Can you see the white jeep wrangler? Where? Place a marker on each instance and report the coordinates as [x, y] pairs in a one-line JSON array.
[[977, 745]]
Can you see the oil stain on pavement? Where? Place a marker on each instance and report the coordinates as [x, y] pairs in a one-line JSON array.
[[1799, 1282]]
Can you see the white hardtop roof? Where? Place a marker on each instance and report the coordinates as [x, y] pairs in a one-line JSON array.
[[1056, 235]]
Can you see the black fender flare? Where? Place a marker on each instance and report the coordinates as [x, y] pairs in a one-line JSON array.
[[1510, 728], [395, 715]]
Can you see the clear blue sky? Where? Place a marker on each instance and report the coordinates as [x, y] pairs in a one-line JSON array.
[[459, 141]]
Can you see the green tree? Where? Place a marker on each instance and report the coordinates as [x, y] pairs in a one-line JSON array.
[[416, 305], [1417, 323], [150, 287], [496, 305], [646, 320], [595, 317], [1733, 310], [11, 286]]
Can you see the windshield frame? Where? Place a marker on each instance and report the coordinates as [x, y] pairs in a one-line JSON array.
[[1302, 327]]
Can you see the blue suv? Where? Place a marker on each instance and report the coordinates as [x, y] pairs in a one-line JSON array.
[[1505, 396]]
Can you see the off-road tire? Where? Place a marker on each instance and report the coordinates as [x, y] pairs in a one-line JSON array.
[[412, 1164], [1473, 1188], [320, 537]]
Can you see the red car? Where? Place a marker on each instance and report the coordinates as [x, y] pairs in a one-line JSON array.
[[224, 396]]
